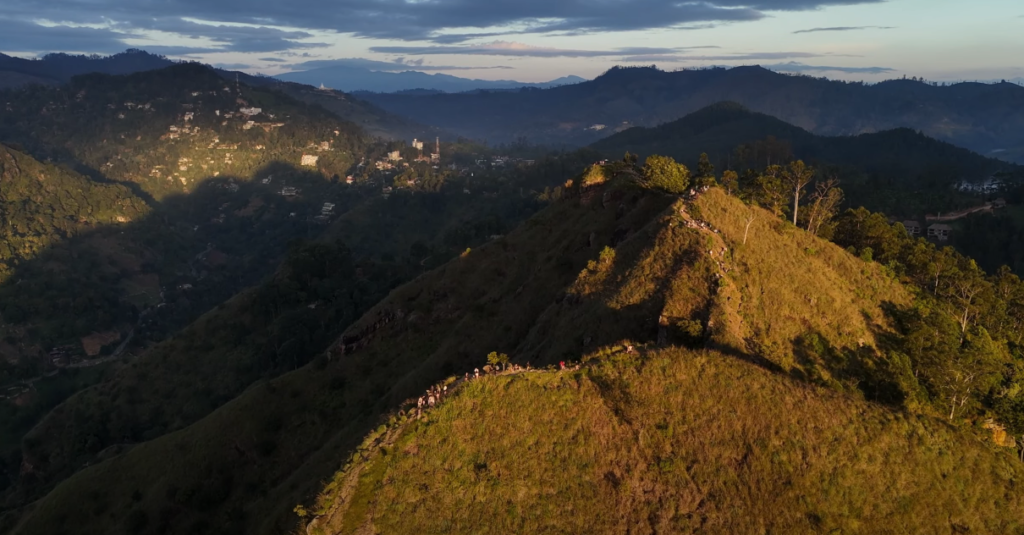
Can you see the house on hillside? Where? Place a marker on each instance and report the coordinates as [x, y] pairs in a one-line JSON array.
[[940, 231], [289, 191], [913, 228], [309, 160]]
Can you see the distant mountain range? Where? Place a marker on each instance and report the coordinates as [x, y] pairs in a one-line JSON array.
[[53, 69], [57, 69], [898, 171], [986, 118], [347, 77]]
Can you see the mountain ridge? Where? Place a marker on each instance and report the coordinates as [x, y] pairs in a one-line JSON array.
[[352, 78], [900, 172], [980, 117]]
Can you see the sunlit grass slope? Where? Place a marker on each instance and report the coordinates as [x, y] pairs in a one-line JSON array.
[[243, 467], [670, 441], [610, 266]]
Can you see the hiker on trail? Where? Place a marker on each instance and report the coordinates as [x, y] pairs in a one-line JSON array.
[[444, 391], [629, 349], [476, 373], [467, 376], [419, 406], [431, 401], [561, 364]]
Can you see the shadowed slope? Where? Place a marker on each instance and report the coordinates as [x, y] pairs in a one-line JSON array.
[[613, 263], [244, 467]]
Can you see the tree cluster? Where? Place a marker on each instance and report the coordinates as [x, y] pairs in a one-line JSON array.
[[961, 340]]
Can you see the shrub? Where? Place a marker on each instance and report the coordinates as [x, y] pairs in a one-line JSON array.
[[664, 173]]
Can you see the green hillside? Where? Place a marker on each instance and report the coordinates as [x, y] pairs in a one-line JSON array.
[[669, 441], [269, 448], [170, 129], [42, 204], [176, 202], [712, 291], [169, 379], [714, 413]]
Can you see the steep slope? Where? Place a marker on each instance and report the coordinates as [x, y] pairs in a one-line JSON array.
[[264, 331], [211, 163], [245, 466], [169, 130], [669, 441], [523, 294], [980, 117], [42, 204]]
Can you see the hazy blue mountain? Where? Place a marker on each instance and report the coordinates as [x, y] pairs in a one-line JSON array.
[[357, 78], [53, 69], [986, 118]]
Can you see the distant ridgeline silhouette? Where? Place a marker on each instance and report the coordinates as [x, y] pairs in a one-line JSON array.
[[900, 172], [986, 118]]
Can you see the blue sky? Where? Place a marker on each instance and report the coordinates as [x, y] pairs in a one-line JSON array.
[[536, 40]]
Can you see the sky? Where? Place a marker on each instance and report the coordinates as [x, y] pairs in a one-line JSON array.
[[539, 40]]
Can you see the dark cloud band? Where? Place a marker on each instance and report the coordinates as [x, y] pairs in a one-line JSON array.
[[441, 21]]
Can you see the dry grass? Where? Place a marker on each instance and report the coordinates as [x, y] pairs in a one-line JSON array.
[[684, 441], [244, 467], [673, 442]]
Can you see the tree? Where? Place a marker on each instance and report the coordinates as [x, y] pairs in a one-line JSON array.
[[664, 173], [796, 177], [730, 181], [964, 294], [705, 171], [497, 359], [825, 202], [749, 221], [594, 175], [770, 191]]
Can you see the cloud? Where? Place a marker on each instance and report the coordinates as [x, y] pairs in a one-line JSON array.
[[21, 36], [440, 21], [506, 48], [235, 38], [845, 29], [233, 66], [793, 66]]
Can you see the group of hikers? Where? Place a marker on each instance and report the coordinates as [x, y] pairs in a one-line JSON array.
[[436, 393]]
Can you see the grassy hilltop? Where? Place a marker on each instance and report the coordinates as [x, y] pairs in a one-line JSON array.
[[766, 382], [712, 427], [670, 441]]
